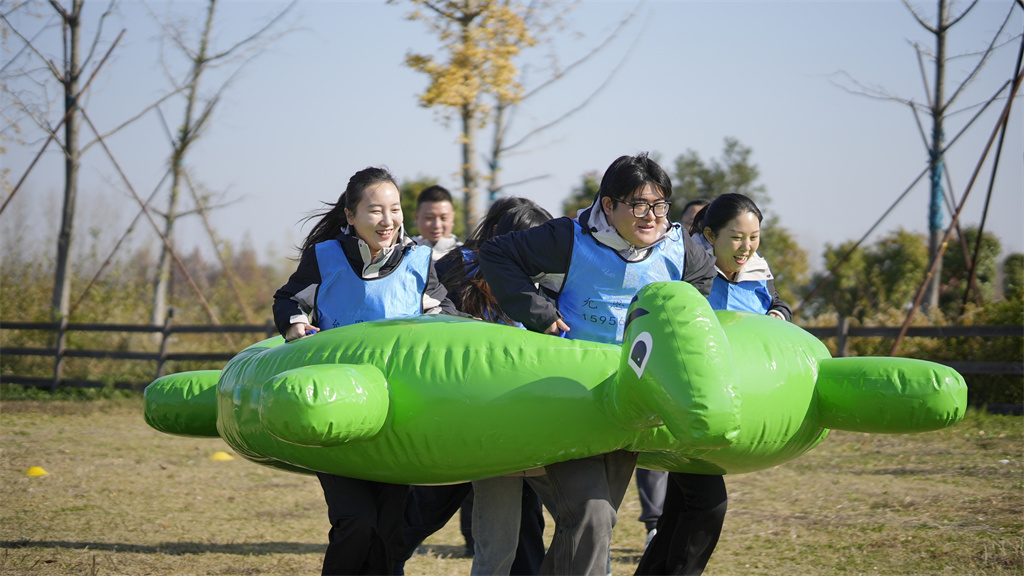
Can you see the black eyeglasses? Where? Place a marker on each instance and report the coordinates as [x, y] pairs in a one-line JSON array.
[[640, 209]]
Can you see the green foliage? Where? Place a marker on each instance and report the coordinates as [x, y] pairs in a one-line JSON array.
[[876, 285], [583, 195], [733, 173], [1013, 276], [874, 279], [955, 272], [989, 388], [787, 259]]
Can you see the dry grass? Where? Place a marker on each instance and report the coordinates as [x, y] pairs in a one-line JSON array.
[[120, 498]]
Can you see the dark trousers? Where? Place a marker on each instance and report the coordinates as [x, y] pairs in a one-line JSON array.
[[690, 525], [366, 524], [651, 486], [530, 551], [429, 508]]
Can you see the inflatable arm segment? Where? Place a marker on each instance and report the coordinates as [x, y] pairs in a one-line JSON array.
[[325, 404], [889, 395], [184, 404]]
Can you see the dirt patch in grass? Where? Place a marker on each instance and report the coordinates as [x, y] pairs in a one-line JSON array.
[[121, 498]]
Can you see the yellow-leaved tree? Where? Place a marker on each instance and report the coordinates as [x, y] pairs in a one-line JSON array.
[[475, 73]]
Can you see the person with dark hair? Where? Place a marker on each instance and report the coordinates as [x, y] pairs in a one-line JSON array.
[[509, 540], [358, 246], [435, 218], [729, 228], [690, 210], [576, 278]]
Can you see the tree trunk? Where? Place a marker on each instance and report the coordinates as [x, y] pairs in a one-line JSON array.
[[494, 177], [162, 281], [62, 277], [186, 134], [935, 231], [469, 174]]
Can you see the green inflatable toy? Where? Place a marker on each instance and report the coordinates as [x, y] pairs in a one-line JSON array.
[[439, 399]]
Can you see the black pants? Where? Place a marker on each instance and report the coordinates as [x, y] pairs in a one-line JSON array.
[[650, 485], [429, 508], [689, 526], [366, 524], [530, 551]]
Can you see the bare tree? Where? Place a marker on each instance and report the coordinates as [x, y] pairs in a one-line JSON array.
[[939, 108], [480, 39], [68, 71], [477, 79], [198, 110], [505, 110]]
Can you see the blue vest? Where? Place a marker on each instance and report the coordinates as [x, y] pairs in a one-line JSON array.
[[600, 285], [344, 298], [745, 296]]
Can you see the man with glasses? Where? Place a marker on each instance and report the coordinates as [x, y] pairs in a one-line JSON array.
[[576, 278]]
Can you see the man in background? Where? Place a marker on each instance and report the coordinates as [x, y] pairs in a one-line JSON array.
[[435, 218], [690, 210]]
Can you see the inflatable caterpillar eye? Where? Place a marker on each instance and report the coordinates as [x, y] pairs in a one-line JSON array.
[[640, 352]]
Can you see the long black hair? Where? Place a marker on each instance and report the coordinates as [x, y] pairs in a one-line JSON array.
[[333, 219], [466, 284]]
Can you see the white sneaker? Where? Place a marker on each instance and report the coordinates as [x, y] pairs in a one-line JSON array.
[[650, 536]]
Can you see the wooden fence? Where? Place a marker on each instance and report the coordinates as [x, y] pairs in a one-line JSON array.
[[842, 333], [60, 352]]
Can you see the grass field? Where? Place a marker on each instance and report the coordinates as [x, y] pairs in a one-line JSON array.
[[120, 498]]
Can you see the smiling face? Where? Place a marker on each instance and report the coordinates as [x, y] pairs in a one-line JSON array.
[[377, 217], [435, 220], [735, 243], [637, 231]]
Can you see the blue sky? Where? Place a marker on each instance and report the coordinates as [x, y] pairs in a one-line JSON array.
[[333, 96]]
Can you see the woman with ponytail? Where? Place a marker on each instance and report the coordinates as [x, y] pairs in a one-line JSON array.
[[359, 246]]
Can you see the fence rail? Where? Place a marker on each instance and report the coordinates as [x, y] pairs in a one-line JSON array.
[[842, 332]]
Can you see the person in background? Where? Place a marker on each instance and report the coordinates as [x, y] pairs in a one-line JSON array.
[[690, 210], [508, 523], [435, 218], [729, 228], [650, 486], [576, 278], [358, 239]]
